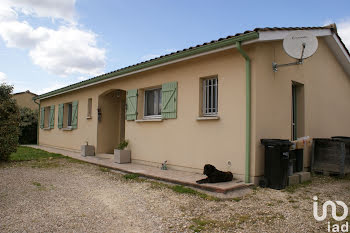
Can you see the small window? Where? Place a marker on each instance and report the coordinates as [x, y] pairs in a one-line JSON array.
[[153, 103], [47, 117], [69, 122], [67, 115], [89, 108], [210, 97]]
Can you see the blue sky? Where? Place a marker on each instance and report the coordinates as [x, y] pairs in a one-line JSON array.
[[45, 45]]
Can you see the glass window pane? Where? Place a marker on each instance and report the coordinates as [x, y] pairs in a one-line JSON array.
[[214, 96], [149, 103], [69, 115], [159, 101], [210, 96], [153, 102]]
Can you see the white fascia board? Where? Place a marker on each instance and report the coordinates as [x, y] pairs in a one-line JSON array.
[[280, 35], [341, 46], [339, 52]]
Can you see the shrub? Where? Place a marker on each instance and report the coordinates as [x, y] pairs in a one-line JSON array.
[[122, 145], [28, 126], [9, 122]]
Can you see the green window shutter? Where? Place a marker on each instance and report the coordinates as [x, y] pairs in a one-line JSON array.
[[60, 116], [42, 118], [74, 114], [169, 99], [52, 116], [131, 105]]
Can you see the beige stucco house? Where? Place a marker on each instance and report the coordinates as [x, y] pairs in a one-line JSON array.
[[211, 103], [25, 99]]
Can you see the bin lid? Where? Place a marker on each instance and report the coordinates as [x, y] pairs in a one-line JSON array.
[[276, 142], [343, 138], [333, 139]]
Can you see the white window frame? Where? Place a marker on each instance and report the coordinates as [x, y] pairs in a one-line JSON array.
[[210, 100], [157, 100]]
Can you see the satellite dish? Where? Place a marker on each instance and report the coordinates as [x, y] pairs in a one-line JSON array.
[[300, 44]]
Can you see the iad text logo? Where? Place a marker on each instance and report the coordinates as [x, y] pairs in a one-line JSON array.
[[334, 227]]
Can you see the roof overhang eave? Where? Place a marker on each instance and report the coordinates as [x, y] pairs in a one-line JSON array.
[[155, 63]]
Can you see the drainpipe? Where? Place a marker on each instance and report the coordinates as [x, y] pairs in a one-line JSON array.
[[248, 111], [38, 125]]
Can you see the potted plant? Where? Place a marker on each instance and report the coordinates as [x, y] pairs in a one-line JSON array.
[[120, 154]]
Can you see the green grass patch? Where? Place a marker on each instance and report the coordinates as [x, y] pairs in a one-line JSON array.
[[295, 187], [46, 163], [237, 199], [24, 153], [158, 185], [210, 225], [131, 176], [241, 219], [199, 225], [39, 186], [182, 189], [36, 184], [73, 160], [186, 190], [104, 169]]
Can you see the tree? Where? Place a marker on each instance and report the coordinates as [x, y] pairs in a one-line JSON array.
[[9, 122], [28, 125]]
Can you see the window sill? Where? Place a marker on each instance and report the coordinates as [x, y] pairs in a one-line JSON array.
[[149, 120], [88, 117], [46, 128], [208, 118], [67, 129]]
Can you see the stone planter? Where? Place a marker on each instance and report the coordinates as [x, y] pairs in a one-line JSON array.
[[87, 150], [122, 156]]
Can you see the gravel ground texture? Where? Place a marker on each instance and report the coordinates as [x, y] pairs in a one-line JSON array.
[[61, 195]]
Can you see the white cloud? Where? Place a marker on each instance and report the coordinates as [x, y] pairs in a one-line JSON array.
[[6, 13], [52, 87], [151, 56], [344, 32], [21, 35], [54, 9], [82, 78], [69, 50], [3, 77], [64, 51]]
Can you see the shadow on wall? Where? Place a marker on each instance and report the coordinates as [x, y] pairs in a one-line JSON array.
[[111, 123]]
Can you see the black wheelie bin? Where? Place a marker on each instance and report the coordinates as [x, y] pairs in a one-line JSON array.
[[276, 163]]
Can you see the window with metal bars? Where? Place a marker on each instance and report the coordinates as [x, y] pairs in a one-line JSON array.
[[210, 97]]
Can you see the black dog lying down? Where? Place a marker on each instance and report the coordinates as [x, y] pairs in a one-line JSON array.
[[214, 175]]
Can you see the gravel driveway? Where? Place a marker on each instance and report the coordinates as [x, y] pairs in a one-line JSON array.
[[61, 195]]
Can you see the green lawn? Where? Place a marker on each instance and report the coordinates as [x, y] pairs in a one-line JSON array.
[[27, 153]]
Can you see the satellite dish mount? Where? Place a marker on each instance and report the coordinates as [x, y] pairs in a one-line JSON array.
[[299, 45]]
